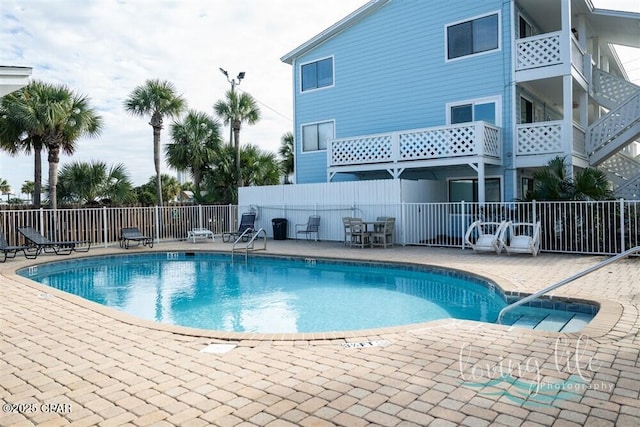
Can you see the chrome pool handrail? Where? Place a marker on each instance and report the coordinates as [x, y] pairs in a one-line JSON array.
[[250, 243], [567, 280]]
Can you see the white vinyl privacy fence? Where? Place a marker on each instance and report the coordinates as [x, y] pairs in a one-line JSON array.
[[607, 227]]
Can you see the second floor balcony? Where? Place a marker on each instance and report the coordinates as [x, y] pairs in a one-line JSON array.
[[544, 55], [417, 148]]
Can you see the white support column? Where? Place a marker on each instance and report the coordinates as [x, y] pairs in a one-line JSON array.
[[565, 34], [567, 83], [481, 186], [595, 50], [567, 120], [582, 31]]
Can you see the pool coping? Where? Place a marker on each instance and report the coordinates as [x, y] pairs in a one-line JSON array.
[[609, 313]]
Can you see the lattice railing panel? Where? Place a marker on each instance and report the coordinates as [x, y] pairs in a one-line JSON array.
[[539, 138], [630, 190], [372, 149], [622, 165], [469, 139], [577, 55], [609, 127], [438, 143], [492, 141], [611, 87], [538, 51], [579, 141]]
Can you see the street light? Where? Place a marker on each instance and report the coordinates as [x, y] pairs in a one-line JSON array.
[[232, 120], [234, 83]]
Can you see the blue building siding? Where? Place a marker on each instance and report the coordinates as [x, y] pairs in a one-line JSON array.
[[391, 74]]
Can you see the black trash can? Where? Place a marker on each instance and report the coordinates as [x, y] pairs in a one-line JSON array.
[[279, 228]]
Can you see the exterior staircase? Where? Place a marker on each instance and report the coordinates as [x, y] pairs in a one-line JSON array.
[[619, 128]]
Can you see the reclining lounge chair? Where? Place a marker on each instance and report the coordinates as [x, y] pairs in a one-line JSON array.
[[133, 234], [246, 226], [9, 251], [41, 244]]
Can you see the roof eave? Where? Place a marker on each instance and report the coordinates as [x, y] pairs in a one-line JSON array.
[[362, 12]]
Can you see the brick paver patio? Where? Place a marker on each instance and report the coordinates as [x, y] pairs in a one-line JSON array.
[[70, 362]]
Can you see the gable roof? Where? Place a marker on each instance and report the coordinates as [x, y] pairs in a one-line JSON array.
[[351, 19]]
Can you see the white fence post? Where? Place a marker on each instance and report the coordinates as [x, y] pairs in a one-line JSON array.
[[105, 228], [157, 216], [622, 245], [463, 229], [403, 223], [200, 216]]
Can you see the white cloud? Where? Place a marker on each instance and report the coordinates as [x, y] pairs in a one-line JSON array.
[[105, 48]]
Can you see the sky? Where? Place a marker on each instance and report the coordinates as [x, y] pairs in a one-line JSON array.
[[105, 48]]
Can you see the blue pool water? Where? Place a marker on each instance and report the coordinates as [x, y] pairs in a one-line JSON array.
[[272, 295]]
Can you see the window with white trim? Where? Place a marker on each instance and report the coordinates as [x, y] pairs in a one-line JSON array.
[[315, 136], [473, 111], [473, 36], [317, 74]]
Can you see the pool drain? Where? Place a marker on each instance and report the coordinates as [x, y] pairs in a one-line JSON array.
[[365, 344]]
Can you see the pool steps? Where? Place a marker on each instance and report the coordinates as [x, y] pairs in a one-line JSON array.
[[556, 321]]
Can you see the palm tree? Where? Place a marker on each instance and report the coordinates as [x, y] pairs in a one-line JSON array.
[[554, 183], [158, 99], [222, 179], [69, 119], [95, 182], [592, 184], [170, 188], [46, 115], [233, 111], [5, 188], [286, 151], [196, 141], [22, 125], [259, 167], [28, 188]]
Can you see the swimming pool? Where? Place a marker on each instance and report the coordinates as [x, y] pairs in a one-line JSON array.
[[273, 294]]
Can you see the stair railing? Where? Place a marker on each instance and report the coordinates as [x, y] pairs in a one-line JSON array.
[[612, 88], [251, 243], [566, 281], [610, 126]]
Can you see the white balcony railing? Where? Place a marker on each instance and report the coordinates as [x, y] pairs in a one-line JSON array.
[[539, 138], [579, 141], [476, 139], [577, 55], [538, 51]]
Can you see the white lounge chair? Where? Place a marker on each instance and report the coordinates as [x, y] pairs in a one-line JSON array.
[[521, 237], [488, 236]]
